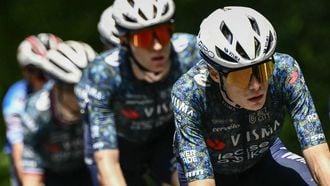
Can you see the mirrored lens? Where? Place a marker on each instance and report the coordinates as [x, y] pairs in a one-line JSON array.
[[241, 78], [145, 38], [142, 39], [263, 71]]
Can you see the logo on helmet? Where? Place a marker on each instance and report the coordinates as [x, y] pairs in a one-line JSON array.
[[231, 54], [267, 43], [205, 50]]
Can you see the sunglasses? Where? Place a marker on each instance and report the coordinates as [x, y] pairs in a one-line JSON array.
[[145, 38], [241, 78]]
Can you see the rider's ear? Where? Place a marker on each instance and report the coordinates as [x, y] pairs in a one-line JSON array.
[[214, 74]]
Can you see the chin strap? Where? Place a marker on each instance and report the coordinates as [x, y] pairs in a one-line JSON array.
[[135, 61], [149, 77], [224, 93], [143, 73]]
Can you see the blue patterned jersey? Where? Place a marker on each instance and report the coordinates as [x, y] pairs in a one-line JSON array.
[[120, 105], [212, 135], [49, 144], [13, 104]]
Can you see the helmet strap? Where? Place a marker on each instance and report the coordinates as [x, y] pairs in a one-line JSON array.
[[143, 73], [135, 61], [224, 92]]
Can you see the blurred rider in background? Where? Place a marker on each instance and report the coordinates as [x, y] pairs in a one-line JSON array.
[[109, 36], [53, 129], [30, 53], [128, 90]]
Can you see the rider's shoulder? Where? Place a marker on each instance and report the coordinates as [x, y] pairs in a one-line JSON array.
[[183, 41], [107, 59], [283, 60], [15, 97], [40, 100]]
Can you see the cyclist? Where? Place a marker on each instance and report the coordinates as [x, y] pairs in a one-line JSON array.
[[128, 89], [53, 130], [30, 51], [230, 107], [109, 36]]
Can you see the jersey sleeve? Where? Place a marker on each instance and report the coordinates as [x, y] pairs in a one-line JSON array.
[[185, 45], [189, 144], [13, 105], [300, 104], [96, 89], [32, 162]]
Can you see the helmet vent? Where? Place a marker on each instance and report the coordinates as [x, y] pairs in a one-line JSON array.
[[131, 2], [58, 66], [223, 55], [254, 25], [226, 32], [142, 14], [166, 8], [257, 46], [241, 51], [128, 19]]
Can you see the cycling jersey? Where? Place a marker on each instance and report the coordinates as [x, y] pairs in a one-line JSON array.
[[49, 144], [119, 104], [213, 136], [13, 104], [286, 168]]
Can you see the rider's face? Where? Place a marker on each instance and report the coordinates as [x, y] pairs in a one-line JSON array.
[[151, 46], [251, 98], [156, 58]]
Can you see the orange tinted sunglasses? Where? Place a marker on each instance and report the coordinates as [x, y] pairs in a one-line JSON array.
[[241, 78], [145, 38]]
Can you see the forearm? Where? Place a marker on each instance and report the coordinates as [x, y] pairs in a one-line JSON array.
[[110, 173], [206, 182], [32, 180], [17, 159], [318, 160]]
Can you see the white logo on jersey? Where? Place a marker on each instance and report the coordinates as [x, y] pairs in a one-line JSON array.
[[43, 103], [113, 59], [189, 156], [181, 106], [256, 134], [194, 173], [201, 79], [159, 109]]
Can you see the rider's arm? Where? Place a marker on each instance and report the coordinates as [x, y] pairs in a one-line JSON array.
[[17, 150], [109, 168], [318, 160], [99, 81], [306, 121], [32, 180], [206, 182], [189, 142]]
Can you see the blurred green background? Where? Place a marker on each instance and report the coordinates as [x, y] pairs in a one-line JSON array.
[[303, 30]]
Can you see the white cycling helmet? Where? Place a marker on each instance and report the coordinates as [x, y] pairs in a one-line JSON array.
[[138, 14], [107, 28], [236, 37], [32, 50], [66, 62]]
